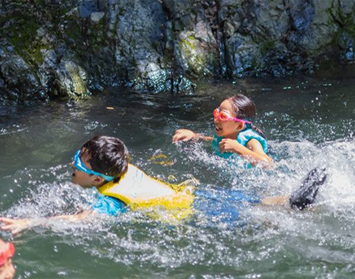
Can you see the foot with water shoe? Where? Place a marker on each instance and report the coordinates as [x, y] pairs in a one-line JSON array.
[[307, 193]]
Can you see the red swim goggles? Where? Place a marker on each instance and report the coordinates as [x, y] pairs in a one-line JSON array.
[[8, 253], [223, 116]]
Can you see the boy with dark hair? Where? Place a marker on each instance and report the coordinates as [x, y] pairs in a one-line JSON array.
[[103, 163]]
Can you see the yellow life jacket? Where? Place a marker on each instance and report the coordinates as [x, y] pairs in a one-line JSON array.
[[138, 190]]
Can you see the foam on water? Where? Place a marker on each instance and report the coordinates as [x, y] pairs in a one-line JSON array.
[[270, 234]]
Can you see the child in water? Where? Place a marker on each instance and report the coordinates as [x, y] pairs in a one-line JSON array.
[[103, 163], [234, 133], [7, 251]]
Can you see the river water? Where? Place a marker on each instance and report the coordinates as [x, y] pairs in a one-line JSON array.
[[309, 122]]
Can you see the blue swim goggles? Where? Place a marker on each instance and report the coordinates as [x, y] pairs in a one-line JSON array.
[[78, 164]]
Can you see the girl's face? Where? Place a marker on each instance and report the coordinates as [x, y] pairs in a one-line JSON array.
[[227, 128]]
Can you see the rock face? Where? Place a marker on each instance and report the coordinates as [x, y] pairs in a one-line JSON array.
[[54, 49]]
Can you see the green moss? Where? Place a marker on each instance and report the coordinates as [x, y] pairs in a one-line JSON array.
[[267, 46], [73, 31], [197, 62], [347, 26], [122, 11], [255, 63], [97, 38], [347, 21], [37, 54], [187, 45], [41, 3], [189, 41], [22, 32]]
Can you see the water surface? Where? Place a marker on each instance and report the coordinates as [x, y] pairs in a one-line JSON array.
[[309, 122]]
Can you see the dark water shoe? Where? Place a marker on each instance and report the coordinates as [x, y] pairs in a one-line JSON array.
[[307, 193]]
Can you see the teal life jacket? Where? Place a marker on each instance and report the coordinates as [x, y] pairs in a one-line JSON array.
[[243, 138]]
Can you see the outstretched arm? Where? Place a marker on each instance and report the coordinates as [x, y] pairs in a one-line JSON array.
[[18, 225], [186, 135]]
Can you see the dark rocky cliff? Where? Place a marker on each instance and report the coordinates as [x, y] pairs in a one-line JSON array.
[[53, 48]]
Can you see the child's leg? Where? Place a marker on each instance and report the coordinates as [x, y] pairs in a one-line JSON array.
[[276, 200], [305, 195]]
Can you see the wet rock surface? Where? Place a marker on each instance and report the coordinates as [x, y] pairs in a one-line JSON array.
[[59, 49]]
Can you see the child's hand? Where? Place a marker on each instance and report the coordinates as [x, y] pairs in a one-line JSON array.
[[184, 135], [229, 145], [253, 152], [14, 226]]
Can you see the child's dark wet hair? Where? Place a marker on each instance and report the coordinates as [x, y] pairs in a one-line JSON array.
[[108, 155], [244, 108]]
